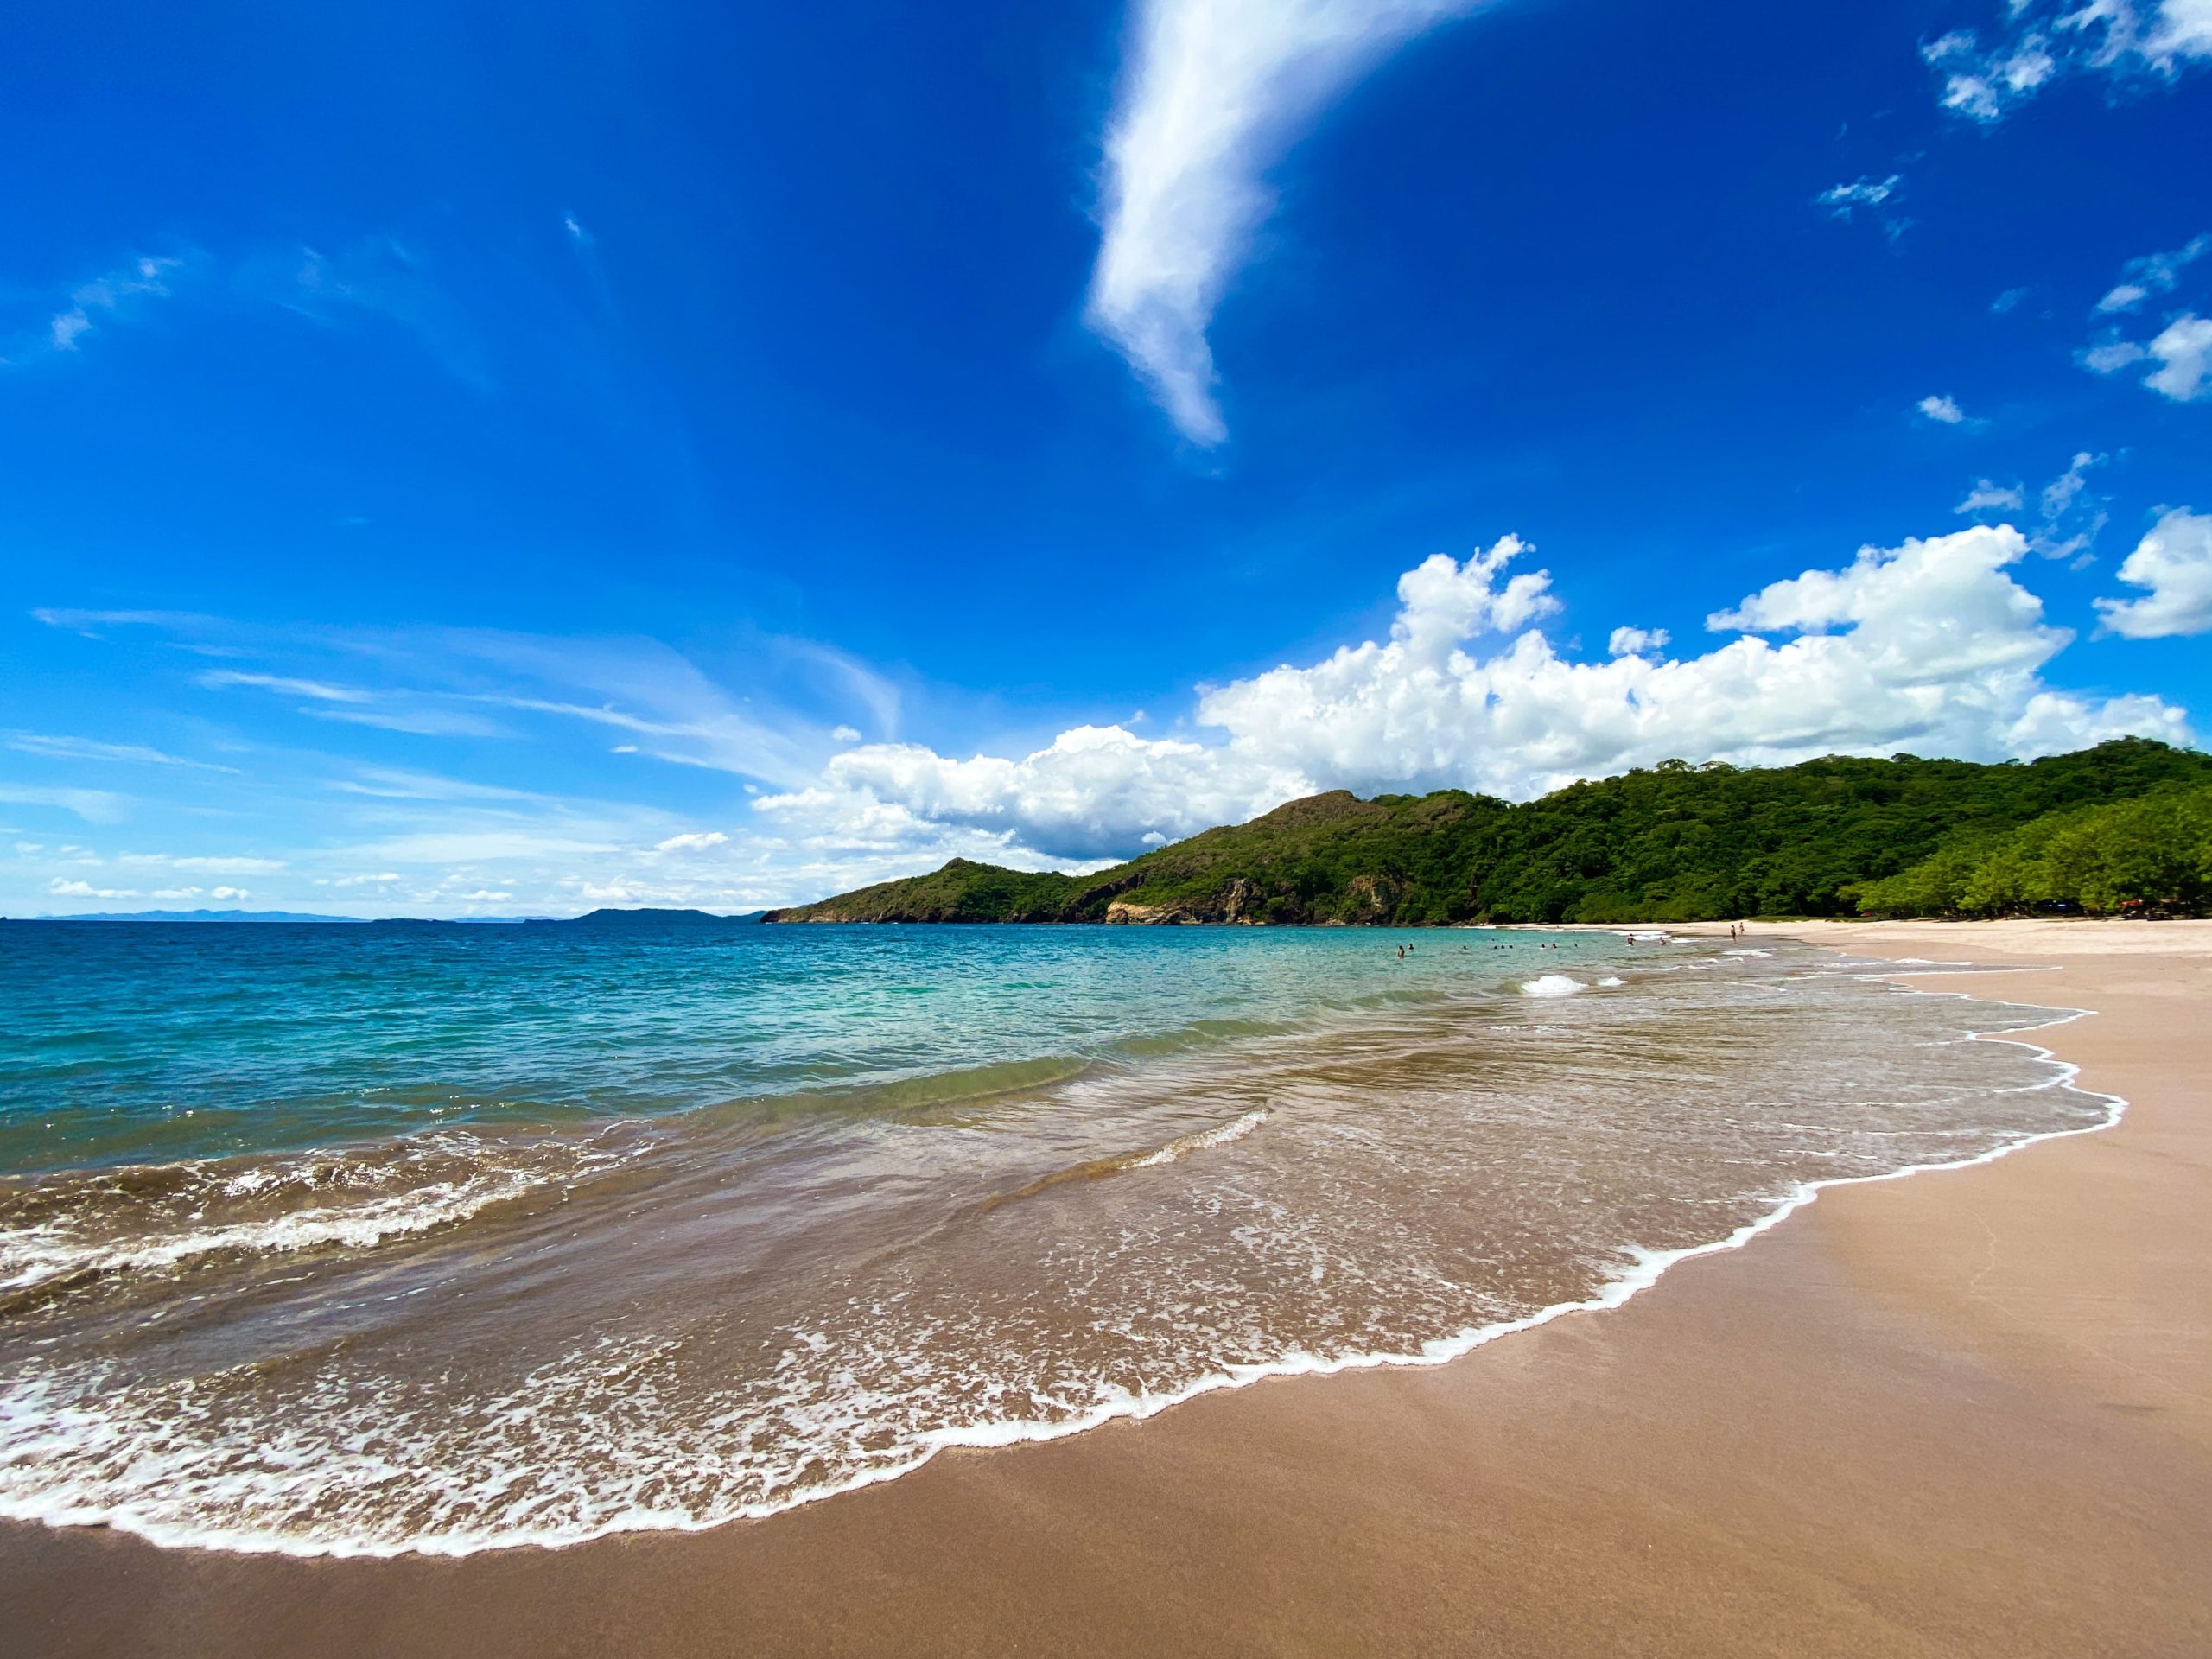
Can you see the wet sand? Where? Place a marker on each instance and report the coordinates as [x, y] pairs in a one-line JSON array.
[[1969, 1412]]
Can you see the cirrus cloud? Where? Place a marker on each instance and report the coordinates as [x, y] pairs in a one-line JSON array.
[[1214, 95]]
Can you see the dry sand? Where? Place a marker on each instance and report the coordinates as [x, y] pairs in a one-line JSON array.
[[1965, 1412]]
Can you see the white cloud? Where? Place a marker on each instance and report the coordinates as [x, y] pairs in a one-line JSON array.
[[86, 748], [1930, 646], [844, 734], [205, 866], [417, 720], [217, 678], [1844, 199], [93, 805], [1989, 496], [2071, 514], [2039, 42], [2174, 562], [1214, 92], [230, 893], [2182, 351], [695, 841], [106, 296], [2154, 273], [61, 889], [1634, 642], [1943, 410]]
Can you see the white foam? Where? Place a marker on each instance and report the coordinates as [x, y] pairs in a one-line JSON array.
[[1552, 985], [1222, 1136], [29, 1255]]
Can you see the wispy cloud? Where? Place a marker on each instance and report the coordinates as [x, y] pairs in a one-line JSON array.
[[86, 748], [380, 278], [202, 865], [418, 721], [111, 296], [321, 691], [396, 784], [1987, 495], [93, 805], [2037, 43], [90, 622], [2152, 275], [1214, 93], [1877, 198]]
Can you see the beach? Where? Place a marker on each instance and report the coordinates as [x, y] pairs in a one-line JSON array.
[[1965, 1412]]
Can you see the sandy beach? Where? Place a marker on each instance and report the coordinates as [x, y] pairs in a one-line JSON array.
[[1968, 1412]]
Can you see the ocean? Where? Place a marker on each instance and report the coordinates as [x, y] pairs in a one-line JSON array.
[[365, 1240]]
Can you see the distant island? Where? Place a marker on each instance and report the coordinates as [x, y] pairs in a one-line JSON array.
[[591, 919], [649, 919], [196, 916], [2125, 827]]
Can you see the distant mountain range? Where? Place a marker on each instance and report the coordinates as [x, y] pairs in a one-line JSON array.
[[594, 919], [1664, 844]]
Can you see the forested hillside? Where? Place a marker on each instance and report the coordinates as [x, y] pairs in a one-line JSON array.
[[1673, 842]]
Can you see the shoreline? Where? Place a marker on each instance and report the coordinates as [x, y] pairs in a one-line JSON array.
[[673, 1591], [1646, 1270]]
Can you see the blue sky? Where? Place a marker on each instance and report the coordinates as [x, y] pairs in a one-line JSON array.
[[484, 460]]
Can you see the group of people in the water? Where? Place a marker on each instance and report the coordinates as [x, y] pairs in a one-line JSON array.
[[1736, 930], [1405, 951]]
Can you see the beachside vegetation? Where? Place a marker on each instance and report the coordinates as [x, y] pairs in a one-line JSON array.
[[2096, 830], [2151, 854]]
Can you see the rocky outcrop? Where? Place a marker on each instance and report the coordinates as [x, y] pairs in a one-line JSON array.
[[1122, 912]]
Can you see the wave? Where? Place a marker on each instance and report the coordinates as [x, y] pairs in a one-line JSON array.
[[159, 1219], [1220, 1137], [1552, 985]]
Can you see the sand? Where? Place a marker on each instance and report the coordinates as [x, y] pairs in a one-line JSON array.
[[1966, 1412]]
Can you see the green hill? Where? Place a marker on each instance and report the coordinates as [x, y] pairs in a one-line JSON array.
[[1671, 842]]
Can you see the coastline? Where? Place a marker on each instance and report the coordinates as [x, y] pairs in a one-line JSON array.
[[1964, 1412]]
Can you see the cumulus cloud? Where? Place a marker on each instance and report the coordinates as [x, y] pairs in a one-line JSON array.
[[78, 889], [1929, 646], [1634, 642], [1214, 92], [693, 841], [2174, 562], [1942, 410], [2038, 42], [2182, 351]]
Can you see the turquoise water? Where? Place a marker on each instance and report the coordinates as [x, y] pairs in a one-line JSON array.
[[123, 1042], [364, 1240]]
